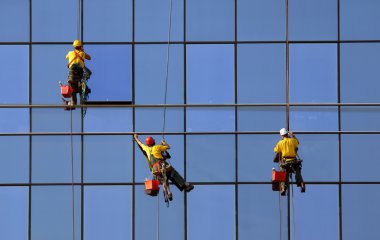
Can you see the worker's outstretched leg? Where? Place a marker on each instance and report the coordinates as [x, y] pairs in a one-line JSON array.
[[299, 179], [284, 185], [179, 181]]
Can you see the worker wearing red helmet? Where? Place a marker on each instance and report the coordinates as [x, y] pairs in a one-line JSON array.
[[153, 153], [287, 147], [76, 65]]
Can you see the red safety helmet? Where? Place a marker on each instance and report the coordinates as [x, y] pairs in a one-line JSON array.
[[149, 141]]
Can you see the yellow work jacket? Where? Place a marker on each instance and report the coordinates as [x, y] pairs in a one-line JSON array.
[[287, 147], [155, 150], [76, 57]]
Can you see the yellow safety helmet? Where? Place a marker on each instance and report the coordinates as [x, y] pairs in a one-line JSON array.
[[77, 43]]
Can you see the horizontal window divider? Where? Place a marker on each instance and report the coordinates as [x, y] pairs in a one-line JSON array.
[[127, 104]]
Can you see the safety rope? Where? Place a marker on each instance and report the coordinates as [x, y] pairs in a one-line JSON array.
[[158, 216], [293, 209], [280, 208], [72, 172], [79, 20], [167, 66]]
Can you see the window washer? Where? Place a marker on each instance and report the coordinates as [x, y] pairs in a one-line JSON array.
[[287, 149], [76, 67], [154, 156]]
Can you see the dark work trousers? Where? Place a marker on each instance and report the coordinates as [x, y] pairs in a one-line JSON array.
[[176, 178], [291, 167], [75, 77]]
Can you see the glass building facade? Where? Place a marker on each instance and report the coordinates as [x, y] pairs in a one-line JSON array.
[[239, 71]]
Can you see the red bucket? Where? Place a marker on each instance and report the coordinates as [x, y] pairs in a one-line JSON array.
[[152, 187], [66, 91], [278, 176]]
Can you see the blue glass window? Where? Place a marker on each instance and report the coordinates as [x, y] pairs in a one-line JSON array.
[[108, 120], [107, 159], [152, 20], [49, 66], [112, 25], [255, 157], [210, 20], [259, 213], [52, 212], [14, 120], [313, 70], [171, 219], [260, 20], [176, 151], [359, 19], [313, 20], [55, 20], [51, 159], [199, 119], [360, 208], [211, 219], [14, 213], [14, 164], [359, 66], [261, 73], [360, 151], [55, 120], [210, 72], [107, 213], [261, 118], [210, 158], [360, 118], [14, 21], [320, 202], [152, 120], [14, 77], [150, 73], [314, 119], [111, 66]]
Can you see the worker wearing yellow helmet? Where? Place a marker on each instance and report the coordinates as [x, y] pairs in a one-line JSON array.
[[76, 67]]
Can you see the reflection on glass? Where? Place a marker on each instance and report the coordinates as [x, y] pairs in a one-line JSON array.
[[313, 73], [261, 20], [55, 20], [152, 20], [313, 20], [259, 213], [359, 19], [314, 119], [150, 73], [255, 156], [171, 218], [210, 20], [359, 65], [360, 209], [210, 72], [176, 151], [360, 118], [14, 164], [107, 159], [48, 67], [14, 77], [14, 213], [261, 118], [14, 22], [211, 219], [111, 66], [52, 212], [360, 151], [108, 120], [107, 213], [51, 159], [14, 120], [152, 119], [322, 203], [319, 153], [210, 158], [210, 119], [261, 73], [113, 25]]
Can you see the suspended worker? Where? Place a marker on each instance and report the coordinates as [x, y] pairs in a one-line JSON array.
[[286, 150], [76, 67], [154, 156]]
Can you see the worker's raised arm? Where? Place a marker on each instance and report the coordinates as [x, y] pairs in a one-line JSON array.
[[137, 139], [163, 143]]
